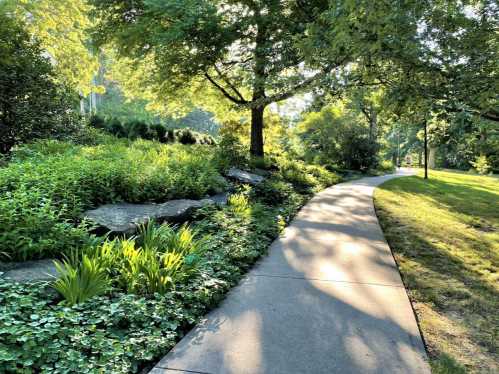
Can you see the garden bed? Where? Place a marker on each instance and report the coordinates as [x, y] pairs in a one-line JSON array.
[[122, 304]]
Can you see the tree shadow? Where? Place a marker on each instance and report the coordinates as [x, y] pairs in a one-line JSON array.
[[292, 323]]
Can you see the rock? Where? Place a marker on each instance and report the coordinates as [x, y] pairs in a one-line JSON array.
[[30, 271], [244, 176], [219, 199], [124, 218]]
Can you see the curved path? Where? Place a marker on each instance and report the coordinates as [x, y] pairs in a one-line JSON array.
[[327, 299]]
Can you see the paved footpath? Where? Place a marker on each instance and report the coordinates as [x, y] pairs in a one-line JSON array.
[[327, 299]]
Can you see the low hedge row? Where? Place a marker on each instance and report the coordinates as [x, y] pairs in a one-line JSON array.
[[141, 130]]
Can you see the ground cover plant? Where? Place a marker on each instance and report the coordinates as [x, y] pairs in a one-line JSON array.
[[444, 233], [121, 304], [46, 186]]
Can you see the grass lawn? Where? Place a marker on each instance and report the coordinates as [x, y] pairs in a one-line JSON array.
[[444, 233]]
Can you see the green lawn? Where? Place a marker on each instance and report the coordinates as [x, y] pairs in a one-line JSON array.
[[444, 233]]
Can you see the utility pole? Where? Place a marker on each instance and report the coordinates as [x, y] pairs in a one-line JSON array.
[[425, 150], [398, 145]]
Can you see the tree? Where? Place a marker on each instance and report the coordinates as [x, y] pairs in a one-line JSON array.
[[455, 62], [338, 135], [61, 26], [251, 52], [32, 105]]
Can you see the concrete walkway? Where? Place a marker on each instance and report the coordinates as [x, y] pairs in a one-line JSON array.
[[327, 299]]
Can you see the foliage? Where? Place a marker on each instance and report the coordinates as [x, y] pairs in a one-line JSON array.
[[276, 44], [32, 105], [121, 333], [154, 262], [304, 176], [97, 122], [338, 136], [159, 132], [61, 27], [231, 152], [444, 233], [239, 204], [481, 165], [138, 129], [386, 166], [34, 226], [79, 281], [47, 186], [273, 191]]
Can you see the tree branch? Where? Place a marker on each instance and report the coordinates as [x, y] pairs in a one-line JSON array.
[[300, 86], [224, 91], [231, 86]]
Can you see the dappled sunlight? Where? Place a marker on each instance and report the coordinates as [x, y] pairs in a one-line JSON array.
[[363, 356], [248, 344], [445, 235], [339, 304]]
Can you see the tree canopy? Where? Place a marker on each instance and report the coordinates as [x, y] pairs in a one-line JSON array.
[[252, 53]]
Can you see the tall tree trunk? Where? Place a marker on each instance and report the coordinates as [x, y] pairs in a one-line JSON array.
[[256, 148], [425, 151], [257, 110]]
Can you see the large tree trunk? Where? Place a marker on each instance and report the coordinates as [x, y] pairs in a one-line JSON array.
[[260, 62], [256, 148]]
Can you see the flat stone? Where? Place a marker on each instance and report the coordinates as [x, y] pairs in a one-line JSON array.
[[124, 218], [30, 271], [244, 176]]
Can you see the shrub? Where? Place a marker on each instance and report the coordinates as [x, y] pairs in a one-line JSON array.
[[231, 152], [304, 176], [115, 127], [273, 191], [358, 152], [170, 136], [97, 122], [32, 226], [32, 104], [159, 132], [87, 135], [185, 136], [386, 166], [138, 129], [481, 165]]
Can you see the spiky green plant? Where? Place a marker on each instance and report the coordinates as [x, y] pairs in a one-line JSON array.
[[80, 280]]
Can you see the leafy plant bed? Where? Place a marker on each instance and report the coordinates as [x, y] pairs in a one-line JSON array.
[[47, 186], [126, 329], [444, 233]]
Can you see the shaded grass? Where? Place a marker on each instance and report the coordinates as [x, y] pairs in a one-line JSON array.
[[444, 233]]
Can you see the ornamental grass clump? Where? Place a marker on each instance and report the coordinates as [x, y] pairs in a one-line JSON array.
[[80, 280], [155, 261]]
